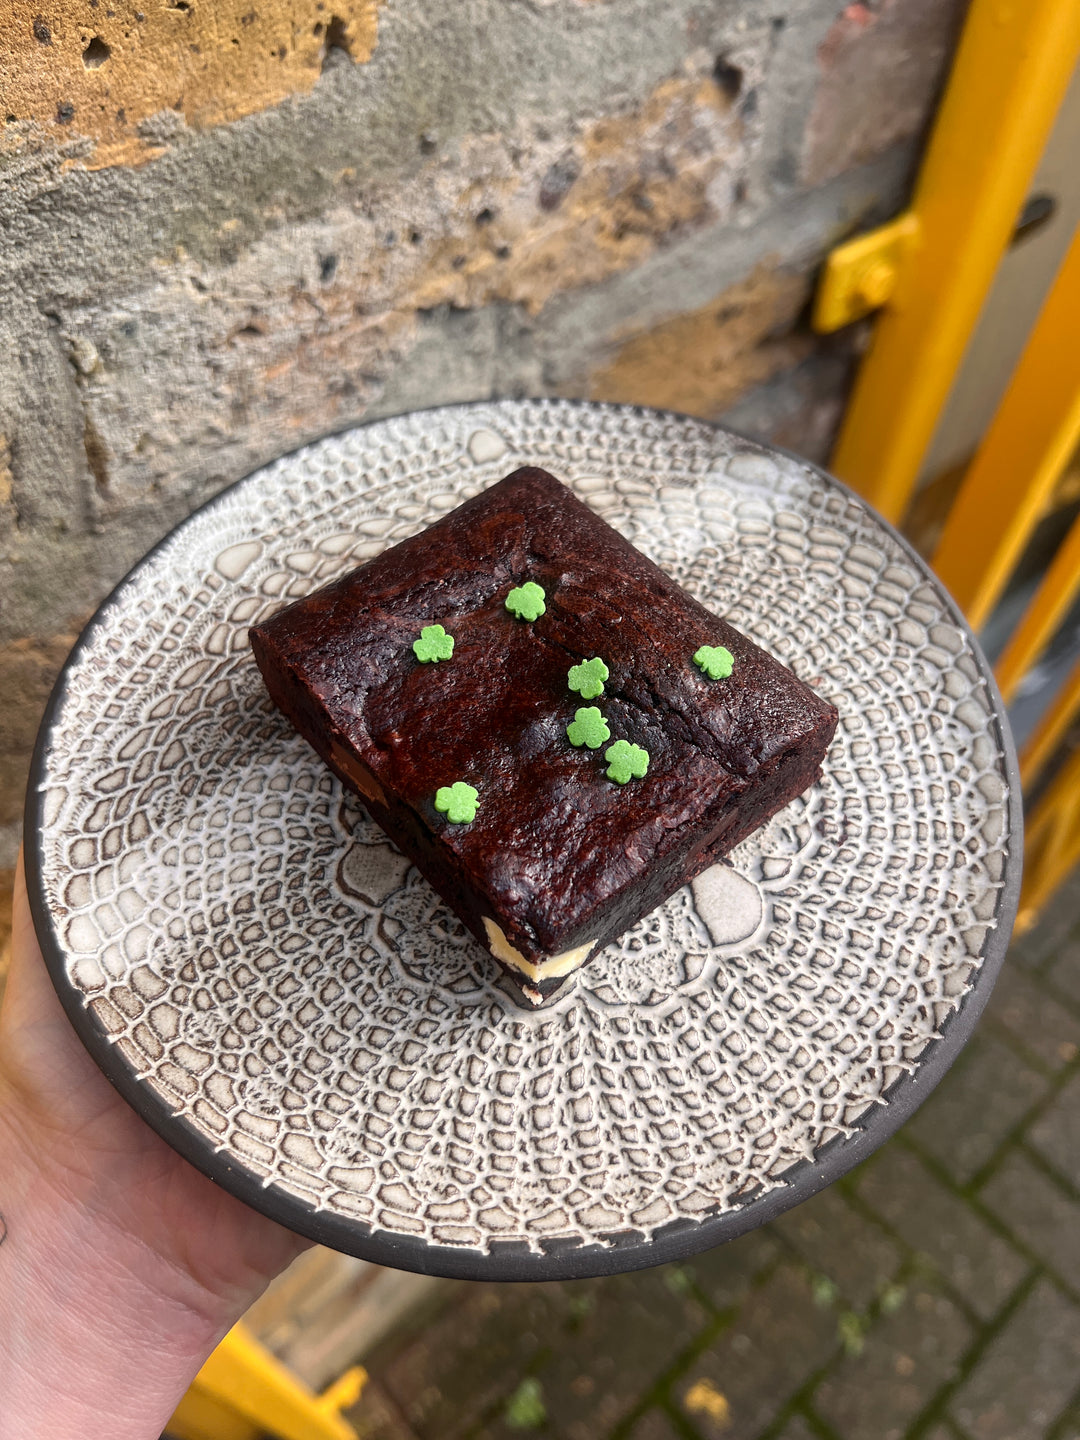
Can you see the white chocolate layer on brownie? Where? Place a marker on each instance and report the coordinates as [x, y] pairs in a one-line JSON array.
[[552, 967]]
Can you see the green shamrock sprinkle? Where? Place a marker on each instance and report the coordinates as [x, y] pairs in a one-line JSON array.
[[434, 644], [527, 601], [625, 760], [715, 661], [457, 802], [588, 678], [588, 728]]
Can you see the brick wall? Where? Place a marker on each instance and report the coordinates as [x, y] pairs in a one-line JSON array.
[[229, 228]]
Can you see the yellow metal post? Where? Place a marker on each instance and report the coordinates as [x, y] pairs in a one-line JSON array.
[[1052, 841], [1010, 481], [1013, 64], [243, 1391], [1051, 729], [1043, 615]]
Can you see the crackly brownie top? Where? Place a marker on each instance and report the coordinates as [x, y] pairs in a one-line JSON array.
[[552, 836]]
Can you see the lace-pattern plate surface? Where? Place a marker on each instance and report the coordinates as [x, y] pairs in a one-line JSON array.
[[280, 993]]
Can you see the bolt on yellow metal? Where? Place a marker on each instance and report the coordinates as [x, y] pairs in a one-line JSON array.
[[861, 276]]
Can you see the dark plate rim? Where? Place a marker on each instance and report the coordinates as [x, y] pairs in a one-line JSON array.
[[559, 1260]]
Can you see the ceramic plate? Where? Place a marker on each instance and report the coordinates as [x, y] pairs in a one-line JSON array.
[[279, 993]]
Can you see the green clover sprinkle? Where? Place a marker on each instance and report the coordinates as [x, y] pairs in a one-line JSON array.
[[434, 644], [527, 601], [457, 802], [588, 728], [625, 760], [715, 661], [588, 678]]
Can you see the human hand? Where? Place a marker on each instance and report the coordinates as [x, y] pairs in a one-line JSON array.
[[122, 1265]]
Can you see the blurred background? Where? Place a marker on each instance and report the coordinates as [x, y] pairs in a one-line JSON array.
[[228, 228]]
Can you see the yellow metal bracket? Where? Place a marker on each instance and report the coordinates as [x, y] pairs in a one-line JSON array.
[[861, 275], [243, 1392]]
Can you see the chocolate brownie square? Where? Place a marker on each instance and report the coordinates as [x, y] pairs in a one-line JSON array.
[[553, 731]]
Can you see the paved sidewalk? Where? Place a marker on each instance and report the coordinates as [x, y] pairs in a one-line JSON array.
[[934, 1293]]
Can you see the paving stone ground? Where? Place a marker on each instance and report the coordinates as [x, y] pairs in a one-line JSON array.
[[933, 1294]]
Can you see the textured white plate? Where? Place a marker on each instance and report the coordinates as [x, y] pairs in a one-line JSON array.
[[288, 1002]]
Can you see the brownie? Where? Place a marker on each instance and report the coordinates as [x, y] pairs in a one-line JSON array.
[[565, 849]]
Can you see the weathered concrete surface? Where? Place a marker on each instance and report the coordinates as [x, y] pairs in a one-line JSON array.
[[502, 198], [302, 337], [120, 78], [702, 361], [884, 64]]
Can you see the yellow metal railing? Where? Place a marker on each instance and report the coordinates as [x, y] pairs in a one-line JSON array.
[[243, 1392], [930, 270], [1053, 830], [1051, 730], [933, 268], [1004, 495], [1052, 841], [1009, 484]]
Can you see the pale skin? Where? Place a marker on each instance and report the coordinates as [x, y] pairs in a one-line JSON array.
[[121, 1266]]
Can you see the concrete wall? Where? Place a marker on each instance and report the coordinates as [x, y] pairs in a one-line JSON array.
[[228, 228]]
